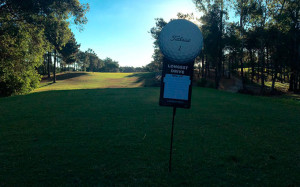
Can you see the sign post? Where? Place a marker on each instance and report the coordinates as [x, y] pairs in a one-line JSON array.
[[171, 146], [180, 41]]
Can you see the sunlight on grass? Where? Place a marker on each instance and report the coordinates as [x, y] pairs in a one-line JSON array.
[[278, 85], [92, 80]]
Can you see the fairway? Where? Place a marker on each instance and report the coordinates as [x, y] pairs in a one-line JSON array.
[[91, 80], [80, 131]]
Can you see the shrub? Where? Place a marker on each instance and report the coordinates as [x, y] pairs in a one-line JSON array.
[[21, 52]]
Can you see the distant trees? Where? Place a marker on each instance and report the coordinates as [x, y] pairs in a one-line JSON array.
[[110, 65], [85, 61], [129, 69], [27, 30], [260, 44], [92, 63]]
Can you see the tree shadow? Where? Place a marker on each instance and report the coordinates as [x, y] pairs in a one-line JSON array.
[[48, 84], [64, 76], [147, 79]]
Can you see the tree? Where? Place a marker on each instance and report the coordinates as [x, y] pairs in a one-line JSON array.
[[241, 10], [287, 17], [58, 34], [251, 44], [213, 29], [21, 51], [232, 46], [110, 65], [70, 50], [156, 64], [92, 60], [27, 23], [82, 59]]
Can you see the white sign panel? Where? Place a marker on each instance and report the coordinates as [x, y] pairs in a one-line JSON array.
[[176, 86]]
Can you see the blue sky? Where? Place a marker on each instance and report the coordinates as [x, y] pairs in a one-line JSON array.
[[119, 29]]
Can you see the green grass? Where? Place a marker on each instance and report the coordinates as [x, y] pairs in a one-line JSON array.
[[278, 85], [88, 80], [121, 137]]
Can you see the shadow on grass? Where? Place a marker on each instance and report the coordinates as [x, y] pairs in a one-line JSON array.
[[48, 84], [104, 131], [65, 76], [147, 79]]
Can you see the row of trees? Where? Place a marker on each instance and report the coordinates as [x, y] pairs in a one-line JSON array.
[[260, 43], [29, 30], [77, 61], [80, 61]]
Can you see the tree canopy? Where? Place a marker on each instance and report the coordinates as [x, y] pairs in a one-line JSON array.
[[27, 30]]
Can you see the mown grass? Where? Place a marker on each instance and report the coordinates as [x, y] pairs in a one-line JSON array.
[[91, 80], [120, 137]]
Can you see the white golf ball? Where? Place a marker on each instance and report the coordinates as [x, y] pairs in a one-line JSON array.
[[180, 41]]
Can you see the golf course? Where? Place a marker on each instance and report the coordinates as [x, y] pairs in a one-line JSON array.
[[107, 129]]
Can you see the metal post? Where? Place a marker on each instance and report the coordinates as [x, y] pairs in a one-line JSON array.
[[170, 161]]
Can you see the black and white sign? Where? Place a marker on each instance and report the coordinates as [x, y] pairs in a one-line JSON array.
[[180, 41], [176, 84]]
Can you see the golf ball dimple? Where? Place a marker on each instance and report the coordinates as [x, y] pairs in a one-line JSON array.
[[180, 41]]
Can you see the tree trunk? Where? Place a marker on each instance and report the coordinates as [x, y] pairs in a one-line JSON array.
[[296, 89], [258, 67], [298, 83], [54, 69], [242, 72], [242, 47], [252, 65], [267, 64], [274, 77], [281, 78], [218, 70], [45, 64], [223, 68], [49, 62], [207, 72], [292, 80], [296, 56], [202, 73], [262, 91], [199, 70], [216, 78], [229, 68]]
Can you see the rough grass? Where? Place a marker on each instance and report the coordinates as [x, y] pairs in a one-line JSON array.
[[120, 137]]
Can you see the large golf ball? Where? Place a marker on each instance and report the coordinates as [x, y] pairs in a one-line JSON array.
[[180, 41]]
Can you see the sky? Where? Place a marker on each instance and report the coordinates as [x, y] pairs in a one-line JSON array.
[[119, 29]]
